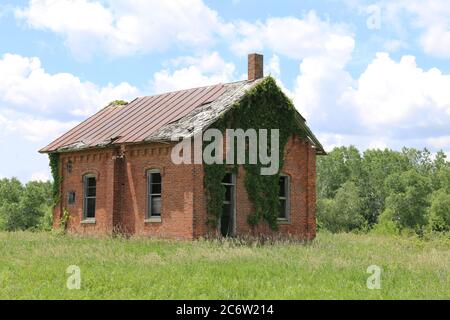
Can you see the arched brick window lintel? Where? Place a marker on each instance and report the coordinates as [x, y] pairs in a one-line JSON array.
[[91, 172], [153, 166]]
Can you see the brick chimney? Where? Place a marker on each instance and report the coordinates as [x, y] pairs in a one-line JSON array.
[[255, 66]]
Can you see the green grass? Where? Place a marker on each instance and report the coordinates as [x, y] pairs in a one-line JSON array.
[[33, 266]]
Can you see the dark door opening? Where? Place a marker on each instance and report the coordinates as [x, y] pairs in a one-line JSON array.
[[227, 222]]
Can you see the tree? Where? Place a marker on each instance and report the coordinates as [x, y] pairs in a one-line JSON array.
[[22, 207], [340, 165], [377, 165], [408, 198], [439, 211], [343, 213], [35, 202]]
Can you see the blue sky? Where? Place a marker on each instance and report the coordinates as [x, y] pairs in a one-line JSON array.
[[374, 74]]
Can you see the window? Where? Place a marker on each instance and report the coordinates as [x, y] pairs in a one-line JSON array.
[[90, 193], [69, 166], [154, 194], [283, 196], [228, 206], [71, 197]]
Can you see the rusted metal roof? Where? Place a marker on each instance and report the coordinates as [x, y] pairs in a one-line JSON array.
[[162, 117], [135, 121]]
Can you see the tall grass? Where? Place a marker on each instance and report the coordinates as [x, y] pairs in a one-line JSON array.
[[33, 266]]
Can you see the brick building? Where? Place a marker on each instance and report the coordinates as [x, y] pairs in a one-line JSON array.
[[118, 175]]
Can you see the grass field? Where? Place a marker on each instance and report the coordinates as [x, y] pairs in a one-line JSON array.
[[33, 266]]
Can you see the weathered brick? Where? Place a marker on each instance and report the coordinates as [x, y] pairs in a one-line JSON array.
[[122, 188]]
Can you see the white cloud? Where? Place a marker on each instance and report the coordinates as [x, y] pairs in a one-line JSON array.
[[26, 87], [431, 18], [392, 45], [192, 72], [331, 140], [273, 67], [378, 143], [434, 17], [295, 38], [391, 103], [32, 128], [41, 176], [318, 89], [401, 95], [442, 142], [122, 27]]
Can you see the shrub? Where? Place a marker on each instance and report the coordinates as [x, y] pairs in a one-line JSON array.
[[439, 211], [386, 224]]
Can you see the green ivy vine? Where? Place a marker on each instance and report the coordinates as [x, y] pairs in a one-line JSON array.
[[264, 106], [57, 179]]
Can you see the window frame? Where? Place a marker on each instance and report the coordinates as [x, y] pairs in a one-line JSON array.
[[233, 201], [149, 217], [286, 198], [86, 177]]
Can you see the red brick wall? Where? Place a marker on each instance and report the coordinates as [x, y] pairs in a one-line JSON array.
[[299, 165], [101, 164], [177, 193], [122, 188]]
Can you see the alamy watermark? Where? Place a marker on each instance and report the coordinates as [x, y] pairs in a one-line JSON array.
[[373, 22], [74, 280], [374, 280], [241, 147]]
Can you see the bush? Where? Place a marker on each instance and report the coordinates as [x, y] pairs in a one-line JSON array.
[[46, 221], [386, 224], [439, 211]]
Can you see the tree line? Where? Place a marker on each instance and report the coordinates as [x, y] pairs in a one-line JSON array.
[[25, 206], [381, 190], [384, 190]]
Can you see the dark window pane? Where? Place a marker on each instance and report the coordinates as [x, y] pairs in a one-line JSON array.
[[155, 177], [225, 220], [282, 213], [156, 206], [228, 178], [91, 191], [228, 193], [91, 182], [155, 188], [71, 197], [90, 208], [282, 192]]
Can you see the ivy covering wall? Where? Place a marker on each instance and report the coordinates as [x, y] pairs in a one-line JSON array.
[[264, 106], [57, 179]]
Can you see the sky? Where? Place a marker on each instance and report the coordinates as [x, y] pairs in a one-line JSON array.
[[374, 74]]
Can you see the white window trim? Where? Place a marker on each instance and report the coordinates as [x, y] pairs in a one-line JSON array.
[[287, 199], [148, 213]]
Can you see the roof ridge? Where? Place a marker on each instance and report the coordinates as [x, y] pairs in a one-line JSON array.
[[200, 87], [181, 90]]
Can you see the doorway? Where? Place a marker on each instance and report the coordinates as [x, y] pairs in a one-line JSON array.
[[227, 221]]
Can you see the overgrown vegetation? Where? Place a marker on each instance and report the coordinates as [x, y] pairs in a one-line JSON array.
[[264, 106], [334, 266], [26, 206], [57, 179], [384, 190], [118, 103]]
